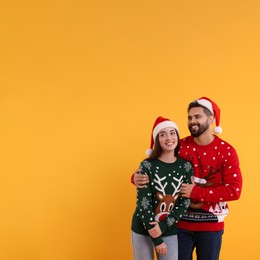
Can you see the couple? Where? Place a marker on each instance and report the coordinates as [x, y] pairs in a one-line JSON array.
[[169, 198]]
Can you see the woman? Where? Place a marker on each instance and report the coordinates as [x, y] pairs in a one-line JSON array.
[[159, 206]]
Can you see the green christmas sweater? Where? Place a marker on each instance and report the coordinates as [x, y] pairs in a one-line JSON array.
[[160, 201]]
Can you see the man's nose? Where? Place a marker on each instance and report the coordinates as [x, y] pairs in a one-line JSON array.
[[192, 120]]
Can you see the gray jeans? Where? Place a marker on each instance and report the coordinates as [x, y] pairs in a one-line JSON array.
[[143, 248]]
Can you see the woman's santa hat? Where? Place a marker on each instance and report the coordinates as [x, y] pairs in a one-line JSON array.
[[214, 109], [159, 124]]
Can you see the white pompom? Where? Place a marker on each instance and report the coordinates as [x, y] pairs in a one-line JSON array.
[[149, 152], [217, 130]]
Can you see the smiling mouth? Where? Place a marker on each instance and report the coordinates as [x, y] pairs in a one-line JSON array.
[[194, 127], [169, 144]]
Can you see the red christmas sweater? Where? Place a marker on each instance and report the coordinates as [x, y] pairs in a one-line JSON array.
[[218, 179]]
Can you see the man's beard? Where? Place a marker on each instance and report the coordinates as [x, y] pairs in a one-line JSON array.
[[201, 129]]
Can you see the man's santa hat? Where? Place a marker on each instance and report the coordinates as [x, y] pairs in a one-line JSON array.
[[159, 124], [214, 109]]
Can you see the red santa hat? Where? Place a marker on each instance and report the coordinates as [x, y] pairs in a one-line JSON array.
[[159, 124], [214, 109]]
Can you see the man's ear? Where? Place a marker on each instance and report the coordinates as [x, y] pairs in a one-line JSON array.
[[212, 119]]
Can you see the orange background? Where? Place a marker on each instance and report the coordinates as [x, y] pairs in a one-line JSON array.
[[81, 83]]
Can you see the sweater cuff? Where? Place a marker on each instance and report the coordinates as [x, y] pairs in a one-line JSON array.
[[157, 241], [163, 226], [194, 193]]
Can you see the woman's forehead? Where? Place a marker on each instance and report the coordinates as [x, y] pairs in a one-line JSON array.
[[168, 129]]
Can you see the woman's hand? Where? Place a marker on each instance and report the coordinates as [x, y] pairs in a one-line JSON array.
[[161, 249], [155, 231], [186, 188]]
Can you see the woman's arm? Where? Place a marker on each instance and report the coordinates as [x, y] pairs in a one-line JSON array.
[[145, 206]]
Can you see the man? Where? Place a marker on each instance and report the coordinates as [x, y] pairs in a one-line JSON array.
[[217, 179]]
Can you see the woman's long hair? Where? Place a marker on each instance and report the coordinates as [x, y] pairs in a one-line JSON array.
[[157, 150]]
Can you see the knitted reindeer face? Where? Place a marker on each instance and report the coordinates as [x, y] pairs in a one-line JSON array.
[[165, 206], [167, 201]]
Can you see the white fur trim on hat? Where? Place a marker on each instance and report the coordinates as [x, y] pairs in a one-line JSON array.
[[207, 104], [162, 125]]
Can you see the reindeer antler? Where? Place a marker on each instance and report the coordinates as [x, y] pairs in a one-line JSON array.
[[159, 182], [178, 187]]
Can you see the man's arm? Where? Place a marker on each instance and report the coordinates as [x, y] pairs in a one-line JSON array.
[[145, 208], [230, 188]]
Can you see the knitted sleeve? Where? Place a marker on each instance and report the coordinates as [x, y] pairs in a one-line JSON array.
[[230, 187], [145, 206]]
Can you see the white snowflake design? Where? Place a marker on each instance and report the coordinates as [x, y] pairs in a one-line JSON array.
[[145, 203], [187, 203], [187, 166], [147, 165], [170, 221]]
